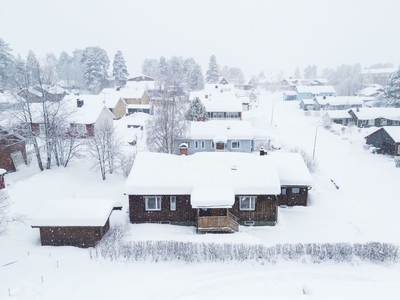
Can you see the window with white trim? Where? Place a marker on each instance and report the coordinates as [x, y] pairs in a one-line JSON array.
[[383, 122], [395, 123], [196, 144], [202, 144], [295, 190], [81, 128], [283, 191], [247, 202], [172, 203], [153, 203], [235, 145]]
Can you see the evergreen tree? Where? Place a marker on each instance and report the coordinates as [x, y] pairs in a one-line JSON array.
[[120, 72], [6, 63], [96, 64], [197, 111], [310, 72], [163, 68], [33, 68], [65, 68], [195, 80], [297, 74], [150, 68], [392, 89], [212, 74]]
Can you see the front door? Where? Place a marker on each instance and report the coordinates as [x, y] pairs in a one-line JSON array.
[[220, 146]]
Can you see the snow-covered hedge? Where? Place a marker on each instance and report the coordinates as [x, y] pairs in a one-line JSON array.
[[112, 248]]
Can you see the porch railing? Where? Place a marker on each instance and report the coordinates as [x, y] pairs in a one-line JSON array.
[[218, 224]]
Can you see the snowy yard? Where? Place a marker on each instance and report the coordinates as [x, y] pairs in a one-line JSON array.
[[363, 209]]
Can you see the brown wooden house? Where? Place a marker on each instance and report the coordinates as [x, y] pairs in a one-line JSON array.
[[386, 139], [213, 191], [74, 222], [375, 116], [12, 150]]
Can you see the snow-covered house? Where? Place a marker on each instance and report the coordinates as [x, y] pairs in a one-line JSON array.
[[376, 76], [211, 190], [141, 81], [375, 116], [294, 177], [338, 103], [12, 150], [307, 92], [74, 222], [224, 135], [307, 104], [386, 139], [337, 116], [289, 95], [223, 108]]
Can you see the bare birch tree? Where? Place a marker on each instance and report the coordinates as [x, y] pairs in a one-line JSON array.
[[168, 124]]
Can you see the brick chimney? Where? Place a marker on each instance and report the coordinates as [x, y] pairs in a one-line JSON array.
[[183, 149], [200, 119]]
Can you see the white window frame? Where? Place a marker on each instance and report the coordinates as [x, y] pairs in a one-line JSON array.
[[383, 122], [395, 123], [203, 144], [172, 203], [157, 203], [283, 191], [42, 129], [80, 128], [252, 203], [296, 191], [235, 142], [196, 144]]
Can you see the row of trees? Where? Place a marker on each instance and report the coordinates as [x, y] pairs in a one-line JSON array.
[[85, 69]]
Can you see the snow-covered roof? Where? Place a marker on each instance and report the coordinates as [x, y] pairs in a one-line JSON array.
[[340, 100], [89, 112], [2, 171], [9, 98], [315, 89], [337, 114], [290, 93], [379, 71], [74, 212], [393, 131], [111, 96], [222, 128], [223, 105], [371, 90], [291, 169], [308, 101], [147, 85], [146, 106], [216, 196], [369, 113], [244, 173]]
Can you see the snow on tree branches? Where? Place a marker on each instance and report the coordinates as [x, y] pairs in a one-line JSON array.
[[197, 111]]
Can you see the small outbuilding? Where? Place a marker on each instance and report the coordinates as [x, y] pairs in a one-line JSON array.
[[74, 222]]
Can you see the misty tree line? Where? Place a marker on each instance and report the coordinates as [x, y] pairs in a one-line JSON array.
[[113, 248]]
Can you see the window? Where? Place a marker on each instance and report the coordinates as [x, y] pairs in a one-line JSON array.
[[203, 144], [371, 122], [81, 128], [221, 115], [247, 202], [395, 122], [295, 190], [42, 129], [213, 145], [196, 144], [283, 191], [235, 145], [383, 122], [153, 203], [172, 202]]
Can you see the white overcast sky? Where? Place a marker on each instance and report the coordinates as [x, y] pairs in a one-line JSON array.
[[264, 35]]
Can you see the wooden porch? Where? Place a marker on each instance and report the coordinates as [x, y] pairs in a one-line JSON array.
[[218, 224]]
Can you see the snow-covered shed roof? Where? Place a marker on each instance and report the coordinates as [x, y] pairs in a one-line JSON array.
[[223, 105], [369, 113], [2, 171], [226, 128], [244, 173], [340, 100], [315, 89], [74, 212], [337, 114], [291, 169]]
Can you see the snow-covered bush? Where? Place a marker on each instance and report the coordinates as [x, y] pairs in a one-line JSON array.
[[311, 164], [397, 161]]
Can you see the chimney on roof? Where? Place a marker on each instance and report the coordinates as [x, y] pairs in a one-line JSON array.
[[262, 151], [200, 119], [183, 149], [79, 103]]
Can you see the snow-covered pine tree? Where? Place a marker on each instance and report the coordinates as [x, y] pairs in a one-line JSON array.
[[392, 89], [120, 72], [96, 63], [212, 74], [6, 63], [197, 111], [164, 71], [33, 68], [195, 79]]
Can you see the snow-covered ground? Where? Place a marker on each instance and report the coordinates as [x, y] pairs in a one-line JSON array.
[[364, 209]]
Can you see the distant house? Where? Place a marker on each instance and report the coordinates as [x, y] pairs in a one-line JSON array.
[[141, 81], [308, 92], [341, 117], [40, 93], [377, 116], [387, 139], [74, 222], [294, 177], [376, 76], [222, 80], [307, 104], [214, 135], [12, 150], [338, 103], [8, 100], [289, 95], [213, 191]]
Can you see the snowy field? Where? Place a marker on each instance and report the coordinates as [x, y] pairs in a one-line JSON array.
[[364, 209]]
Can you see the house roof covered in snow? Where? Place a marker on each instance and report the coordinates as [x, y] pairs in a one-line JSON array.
[[291, 169], [337, 114], [223, 104], [393, 131], [340, 100], [226, 128], [369, 113], [167, 174], [315, 89], [2, 171], [74, 212], [379, 71]]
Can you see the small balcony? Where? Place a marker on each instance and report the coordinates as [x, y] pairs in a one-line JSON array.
[[218, 224]]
